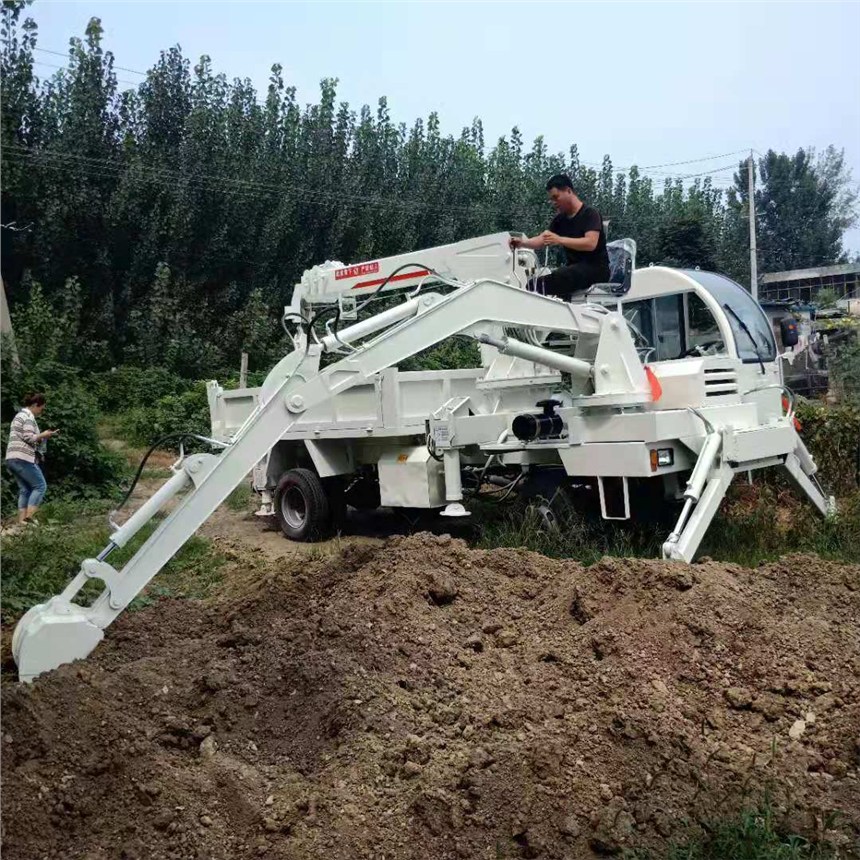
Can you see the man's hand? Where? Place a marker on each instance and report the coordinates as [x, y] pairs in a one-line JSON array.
[[550, 238], [48, 433]]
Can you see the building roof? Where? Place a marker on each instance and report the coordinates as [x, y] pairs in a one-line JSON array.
[[804, 274]]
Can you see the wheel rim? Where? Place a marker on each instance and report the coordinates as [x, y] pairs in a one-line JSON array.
[[293, 507]]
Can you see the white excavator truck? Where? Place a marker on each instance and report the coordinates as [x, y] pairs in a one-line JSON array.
[[661, 379]]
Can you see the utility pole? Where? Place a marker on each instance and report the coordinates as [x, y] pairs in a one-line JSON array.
[[753, 256]]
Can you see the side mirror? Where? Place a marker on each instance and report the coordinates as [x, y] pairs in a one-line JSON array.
[[788, 331]]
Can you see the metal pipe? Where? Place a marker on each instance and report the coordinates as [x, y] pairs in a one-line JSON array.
[[682, 522], [703, 467], [453, 481], [150, 508], [789, 394], [106, 551], [805, 458], [564, 363], [372, 324]]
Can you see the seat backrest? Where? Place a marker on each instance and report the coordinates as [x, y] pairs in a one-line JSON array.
[[622, 262]]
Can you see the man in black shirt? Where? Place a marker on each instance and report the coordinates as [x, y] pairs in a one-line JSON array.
[[579, 230]]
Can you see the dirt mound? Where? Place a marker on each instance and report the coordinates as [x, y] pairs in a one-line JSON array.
[[420, 699]]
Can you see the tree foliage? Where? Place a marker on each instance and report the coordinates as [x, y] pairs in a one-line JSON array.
[[77, 464], [167, 224]]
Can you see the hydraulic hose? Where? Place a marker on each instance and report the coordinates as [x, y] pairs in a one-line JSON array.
[[180, 437]]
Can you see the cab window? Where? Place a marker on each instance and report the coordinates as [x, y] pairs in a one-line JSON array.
[[669, 326], [703, 333], [640, 316]]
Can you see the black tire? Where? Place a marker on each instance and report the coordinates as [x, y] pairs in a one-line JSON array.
[[301, 507]]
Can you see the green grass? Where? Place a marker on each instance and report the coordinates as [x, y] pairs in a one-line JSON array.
[[240, 499], [156, 474], [752, 835], [39, 562], [754, 525], [582, 539]]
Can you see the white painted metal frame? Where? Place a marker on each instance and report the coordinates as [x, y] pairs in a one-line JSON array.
[[732, 423]]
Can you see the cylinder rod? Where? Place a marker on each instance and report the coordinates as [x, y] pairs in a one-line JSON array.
[[150, 508], [564, 363], [371, 325]]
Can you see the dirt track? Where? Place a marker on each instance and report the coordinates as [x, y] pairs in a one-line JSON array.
[[414, 698]]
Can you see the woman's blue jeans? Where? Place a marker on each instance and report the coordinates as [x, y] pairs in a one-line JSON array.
[[31, 483]]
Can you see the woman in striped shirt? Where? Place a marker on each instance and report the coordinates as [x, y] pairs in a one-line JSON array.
[[26, 443]]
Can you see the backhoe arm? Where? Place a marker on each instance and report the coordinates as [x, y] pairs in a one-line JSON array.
[[60, 631]]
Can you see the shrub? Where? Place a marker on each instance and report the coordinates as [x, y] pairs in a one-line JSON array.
[[127, 387], [832, 434], [38, 563], [77, 464], [448, 355], [176, 413], [52, 329], [845, 371], [754, 833], [755, 523]]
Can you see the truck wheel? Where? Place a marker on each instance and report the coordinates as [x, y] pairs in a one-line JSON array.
[[301, 507]]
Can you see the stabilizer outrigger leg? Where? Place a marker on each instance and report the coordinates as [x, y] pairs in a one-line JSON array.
[[710, 480], [705, 490], [801, 469]]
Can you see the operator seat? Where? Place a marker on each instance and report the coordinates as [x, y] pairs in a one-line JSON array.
[[622, 262]]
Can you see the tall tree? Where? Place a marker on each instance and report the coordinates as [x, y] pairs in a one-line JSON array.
[[803, 208], [169, 222], [20, 121]]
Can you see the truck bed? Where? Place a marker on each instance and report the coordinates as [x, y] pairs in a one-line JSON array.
[[393, 403]]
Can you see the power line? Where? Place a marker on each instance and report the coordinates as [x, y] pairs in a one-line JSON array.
[[249, 189], [66, 54], [116, 168], [255, 187], [696, 160], [652, 169], [716, 170], [244, 189], [64, 68], [252, 190]]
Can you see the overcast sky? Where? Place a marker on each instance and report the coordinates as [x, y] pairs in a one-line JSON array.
[[647, 83]]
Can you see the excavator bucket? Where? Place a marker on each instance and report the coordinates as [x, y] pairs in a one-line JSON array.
[[50, 634]]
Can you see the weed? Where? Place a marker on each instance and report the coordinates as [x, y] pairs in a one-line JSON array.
[[755, 524], [240, 499], [155, 474], [751, 835], [38, 562]]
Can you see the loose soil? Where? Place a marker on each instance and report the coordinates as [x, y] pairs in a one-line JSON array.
[[409, 697]]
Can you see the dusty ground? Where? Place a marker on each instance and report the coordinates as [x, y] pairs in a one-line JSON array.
[[413, 698]]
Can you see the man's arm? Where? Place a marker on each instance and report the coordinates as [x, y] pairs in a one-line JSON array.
[[587, 243], [590, 239], [534, 243]]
